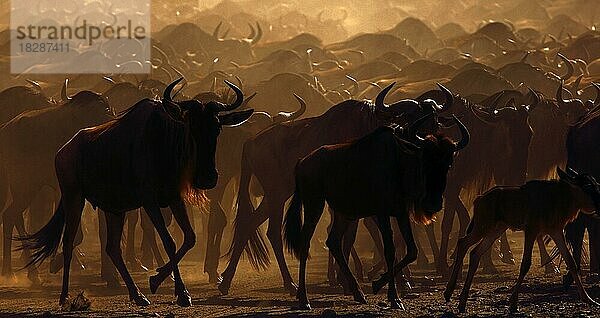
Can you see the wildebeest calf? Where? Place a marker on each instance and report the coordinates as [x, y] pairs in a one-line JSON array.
[[538, 207]]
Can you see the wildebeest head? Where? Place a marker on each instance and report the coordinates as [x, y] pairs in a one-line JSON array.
[[586, 182], [203, 123], [87, 108], [437, 158], [572, 108]]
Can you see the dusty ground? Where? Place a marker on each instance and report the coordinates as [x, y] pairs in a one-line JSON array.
[[260, 294]]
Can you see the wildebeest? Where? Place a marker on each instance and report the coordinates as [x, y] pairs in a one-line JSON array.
[[157, 154], [269, 157], [28, 144], [584, 156], [538, 207], [356, 184]]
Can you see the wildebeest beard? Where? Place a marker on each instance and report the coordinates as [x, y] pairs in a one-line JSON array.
[[438, 152]]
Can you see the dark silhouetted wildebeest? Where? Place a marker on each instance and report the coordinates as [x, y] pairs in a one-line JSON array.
[[157, 154]]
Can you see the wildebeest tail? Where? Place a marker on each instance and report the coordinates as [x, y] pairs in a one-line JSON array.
[[255, 248], [292, 225], [44, 242]]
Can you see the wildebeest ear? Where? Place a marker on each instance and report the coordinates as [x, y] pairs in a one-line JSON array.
[[236, 118]]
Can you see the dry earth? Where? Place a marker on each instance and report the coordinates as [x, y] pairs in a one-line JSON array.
[[260, 294]]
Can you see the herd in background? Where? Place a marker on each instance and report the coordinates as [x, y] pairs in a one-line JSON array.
[[522, 89]]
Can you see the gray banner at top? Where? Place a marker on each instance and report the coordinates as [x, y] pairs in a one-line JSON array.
[[80, 36]]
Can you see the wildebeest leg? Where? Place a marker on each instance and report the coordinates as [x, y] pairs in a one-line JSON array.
[[373, 230], [463, 220], [313, 210], [72, 203], [594, 235], [114, 227], [189, 240], [507, 255], [11, 215], [132, 260], [150, 250], [411, 252], [574, 233], [32, 272], [549, 266], [258, 217], [390, 257], [422, 260], [464, 243], [347, 244], [108, 272], [530, 237], [358, 266], [334, 242], [331, 266], [217, 220], [474, 258], [430, 230], [447, 222], [274, 235], [559, 239]]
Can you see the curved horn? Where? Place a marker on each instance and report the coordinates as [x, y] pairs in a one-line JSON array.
[[216, 31], [259, 34], [466, 137], [63, 92], [569, 65], [34, 84], [535, 98], [239, 97], [283, 116], [300, 111], [379, 100], [252, 34], [169, 90], [449, 97], [559, 95], [355, 87]]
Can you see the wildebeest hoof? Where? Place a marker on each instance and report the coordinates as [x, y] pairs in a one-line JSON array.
[[223, 287], [154, 283], [447, 295], [184, 299], [292, 288], [377, 285], [214, 278], [359, 296], [462, 307], [136, 265], [507, 258], [304, 306], [63, 299], [567, 280], [396, 304], [551, 269], [513, 308], [140, 299], [34, 278]]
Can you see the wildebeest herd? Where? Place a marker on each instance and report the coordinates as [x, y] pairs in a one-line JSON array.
[[501, 119]]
